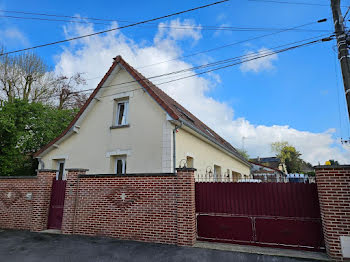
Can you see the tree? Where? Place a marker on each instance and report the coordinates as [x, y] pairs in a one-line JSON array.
[[25, 76], [66, 90], [243, 153], [24, 128], [288, 156]]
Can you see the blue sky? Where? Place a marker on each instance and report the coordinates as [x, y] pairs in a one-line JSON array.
[[297, 88]]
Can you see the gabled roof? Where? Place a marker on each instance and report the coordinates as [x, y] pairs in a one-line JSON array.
[[173, 108], [265, 166]]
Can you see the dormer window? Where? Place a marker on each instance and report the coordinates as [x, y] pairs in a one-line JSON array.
[[122, 113]]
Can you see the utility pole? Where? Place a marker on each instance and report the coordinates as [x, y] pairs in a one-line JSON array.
[[343, 54]]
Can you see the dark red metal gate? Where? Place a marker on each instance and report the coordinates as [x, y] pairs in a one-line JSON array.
[[265, 214], [56, 204]]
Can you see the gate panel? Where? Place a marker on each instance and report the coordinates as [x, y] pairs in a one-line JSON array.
[[289, 232], [274, 214], [56, 204], [221, 228]]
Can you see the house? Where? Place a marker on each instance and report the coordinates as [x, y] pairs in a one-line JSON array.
[[266, 173], [273, 162], [300, 178], [128, 125]]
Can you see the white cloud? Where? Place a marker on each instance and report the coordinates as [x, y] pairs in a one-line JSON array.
[[222, 31], [261, 64], [13, 36], [174, 30], [94, 56]]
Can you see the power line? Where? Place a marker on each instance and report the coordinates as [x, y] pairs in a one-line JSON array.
[[201, 27], [291, 3], [233, 58], [65, 16], [239, 42], [117, 28], [250, 56], [229, 45], [223, 67]]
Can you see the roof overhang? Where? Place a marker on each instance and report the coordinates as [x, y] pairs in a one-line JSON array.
[[203, 136]]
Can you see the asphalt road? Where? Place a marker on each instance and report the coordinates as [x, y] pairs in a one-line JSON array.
[[24, 246]]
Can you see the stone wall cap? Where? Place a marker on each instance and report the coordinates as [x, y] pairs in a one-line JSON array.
[[47, 170], [77, 169], [17, 177], [186, 169], [127, 175], [332, 167]]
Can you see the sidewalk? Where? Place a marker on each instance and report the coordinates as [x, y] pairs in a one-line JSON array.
[[317, 256], [24, 246]]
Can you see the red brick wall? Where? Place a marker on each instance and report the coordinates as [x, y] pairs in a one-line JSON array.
[[333, 183], [152, 208], [16, 211]]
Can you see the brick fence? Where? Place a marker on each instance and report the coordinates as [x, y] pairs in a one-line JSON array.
[[24, 201], [333, 183], [147, 207]]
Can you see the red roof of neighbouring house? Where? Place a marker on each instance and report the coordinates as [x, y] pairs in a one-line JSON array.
[[276, 169], [174, 109]]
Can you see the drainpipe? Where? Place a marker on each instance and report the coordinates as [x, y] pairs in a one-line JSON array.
[[174, 147]]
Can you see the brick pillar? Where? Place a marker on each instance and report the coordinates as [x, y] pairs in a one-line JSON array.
[[41, 199], [333, 185], [71, 199], [186, 207]]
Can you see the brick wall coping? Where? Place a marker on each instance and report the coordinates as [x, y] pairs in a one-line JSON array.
[[186, 169], [333, 167], [18, 177], [125, 175], [47, 170], [77, 169]]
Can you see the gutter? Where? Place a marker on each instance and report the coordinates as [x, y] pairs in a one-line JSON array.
[[174, 142]]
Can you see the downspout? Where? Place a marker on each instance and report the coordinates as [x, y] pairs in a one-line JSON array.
[[174, 147]]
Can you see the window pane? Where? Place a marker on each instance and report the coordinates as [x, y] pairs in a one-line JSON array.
[[119, 166], [60, 171], [121, 112]]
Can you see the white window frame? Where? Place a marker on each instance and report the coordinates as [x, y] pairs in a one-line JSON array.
[[123, 159], [59, 162], [126, 111]]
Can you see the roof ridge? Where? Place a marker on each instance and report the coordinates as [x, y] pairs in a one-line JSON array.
[[163, 99], [149, 83]]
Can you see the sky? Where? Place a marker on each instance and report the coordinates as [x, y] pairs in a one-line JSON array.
[[295, 96]]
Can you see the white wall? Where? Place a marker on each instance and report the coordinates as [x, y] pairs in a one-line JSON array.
[[206, 155], [147, 142], [142, 140]]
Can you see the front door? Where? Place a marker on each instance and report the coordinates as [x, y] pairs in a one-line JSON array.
[[56, 204]]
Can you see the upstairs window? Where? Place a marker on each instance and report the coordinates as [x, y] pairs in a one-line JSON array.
[[120, 165], [122, 113]]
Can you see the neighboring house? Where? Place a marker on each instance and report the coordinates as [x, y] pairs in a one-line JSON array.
[[128, 125], [273, 162], [300, 178], [267, 174]]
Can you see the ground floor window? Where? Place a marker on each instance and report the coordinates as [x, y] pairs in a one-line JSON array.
[[120, 165], [217, 173], [236, 176], [60, 168]]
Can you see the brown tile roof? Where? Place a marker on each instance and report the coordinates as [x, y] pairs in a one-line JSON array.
[[267, 166], [173, 108]]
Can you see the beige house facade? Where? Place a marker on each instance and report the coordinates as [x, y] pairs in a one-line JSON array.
[[128, 125]]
